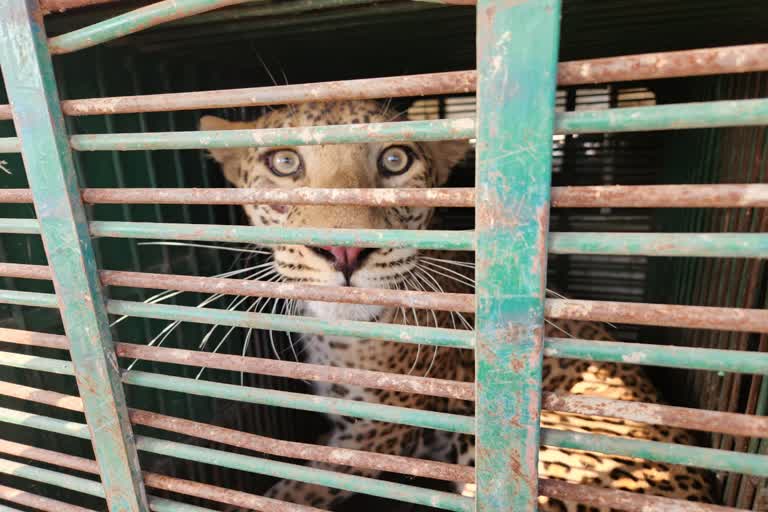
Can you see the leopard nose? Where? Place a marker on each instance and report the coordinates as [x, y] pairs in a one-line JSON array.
[[344, 257]]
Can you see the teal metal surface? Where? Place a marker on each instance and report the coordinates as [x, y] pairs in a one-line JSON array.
[[302, 401], [134, 21], [447, 240], [407, 493], [692, 358], [442, 129], [517, 46], [86, 486], [356, 329], [710, 458], [726, 245], [681, 116], [731, 245], [393, 332], [31, 86]]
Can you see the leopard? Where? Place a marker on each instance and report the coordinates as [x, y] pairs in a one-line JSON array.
[[421, 165]]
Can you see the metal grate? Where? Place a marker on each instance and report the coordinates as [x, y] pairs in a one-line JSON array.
[[81, 176]]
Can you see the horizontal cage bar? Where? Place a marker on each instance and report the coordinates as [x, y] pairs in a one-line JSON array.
[[730, 59], [596, 496], [276, 368], [235, 438], [133, 21], [691, 358], [615, 196], [372, 296], [154, 480], [630, 119], [35, 501], [710, 421], [49, 6], [275, 398], [230, 460]]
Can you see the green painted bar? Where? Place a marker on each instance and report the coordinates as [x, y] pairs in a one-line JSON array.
[[133, 21], [303, 324], [85, 485], [409, 334], [710, 458], [43, 364], [20, 226], [441, 129], [708, 114], [32, 299], [662, 117], [724, 245], [357, 409], [440, 240], [370, 486], [659, 355], [302, 401], [517, 47], [256, 465], [31, 86]]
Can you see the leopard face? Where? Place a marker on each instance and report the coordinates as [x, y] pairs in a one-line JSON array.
[[371, 165]]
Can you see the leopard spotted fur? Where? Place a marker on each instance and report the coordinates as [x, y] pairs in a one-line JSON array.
[[356, 166]]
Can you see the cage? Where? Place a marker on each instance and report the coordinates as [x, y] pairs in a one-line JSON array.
[[653, 122]]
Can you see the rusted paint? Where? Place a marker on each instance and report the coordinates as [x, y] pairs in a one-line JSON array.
[[655, 414], [371, 296], [304, 451], [277, 368], [36, 501], [238, 439], [305, 371], [662, 196], [25, 271], [666, 315], [154, 480], [709, 61], [49, 6], [616, 196], [622, 500], [379, 197]]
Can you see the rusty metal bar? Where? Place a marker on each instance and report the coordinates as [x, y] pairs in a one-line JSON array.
[[649, 66], [610, 499], [277, 368], [733, 59], [662, 196], [30, 82], [666, 315], [36, 501], [617, 196], [304, 451], [154, 480], [381, 297], [655, 414], [435, 197]]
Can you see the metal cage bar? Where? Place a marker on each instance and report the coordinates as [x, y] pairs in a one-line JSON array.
[[31, 85], [517, 45]]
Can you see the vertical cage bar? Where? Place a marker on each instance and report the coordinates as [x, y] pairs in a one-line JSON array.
[[517, 46], [28, 73]]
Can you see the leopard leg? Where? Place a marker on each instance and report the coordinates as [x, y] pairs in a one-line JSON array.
[[450, 447], [354, 434]]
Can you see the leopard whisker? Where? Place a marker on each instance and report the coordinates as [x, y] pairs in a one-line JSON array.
[[466, 264], [422, 284], [459, 275], [206, 246]]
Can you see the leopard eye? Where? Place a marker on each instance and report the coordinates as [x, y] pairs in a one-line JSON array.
[[395, 160], [284, 162]]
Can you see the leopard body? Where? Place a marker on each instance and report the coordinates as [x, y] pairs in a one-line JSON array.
[[356, 166]]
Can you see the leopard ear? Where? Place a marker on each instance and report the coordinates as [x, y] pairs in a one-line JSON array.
[[446, 155], [228, 158]]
